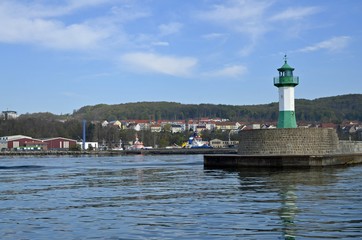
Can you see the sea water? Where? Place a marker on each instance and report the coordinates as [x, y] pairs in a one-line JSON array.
[[174, 197]]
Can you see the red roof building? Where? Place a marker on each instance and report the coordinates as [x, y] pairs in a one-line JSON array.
[[60, 143], [19, 141]]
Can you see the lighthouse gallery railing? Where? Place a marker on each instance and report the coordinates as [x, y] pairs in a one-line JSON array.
[[286, 80]]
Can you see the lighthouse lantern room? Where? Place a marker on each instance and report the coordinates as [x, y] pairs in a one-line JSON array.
[[286, 83]]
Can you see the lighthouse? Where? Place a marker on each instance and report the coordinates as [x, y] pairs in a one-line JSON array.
[[286, 83]]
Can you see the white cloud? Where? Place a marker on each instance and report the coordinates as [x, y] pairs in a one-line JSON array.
[[40, 24], [168, 65], [87, 3], [242, 16], [50, 33], [295, 13], [170, 28], [248, 49], [162, 44], [211, 36], [334, 44], [33, 9], [245, 17], [31, 24], [234, 71], [254, 19], [128, 13]]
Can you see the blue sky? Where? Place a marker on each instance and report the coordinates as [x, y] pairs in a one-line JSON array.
[[57, 56]]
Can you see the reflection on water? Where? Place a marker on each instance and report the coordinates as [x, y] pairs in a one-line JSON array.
[[313, 203], [287, 212], [168, 197]]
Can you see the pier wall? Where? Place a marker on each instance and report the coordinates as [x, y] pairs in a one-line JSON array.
[[297, 147], [349, 147], [293, 141]]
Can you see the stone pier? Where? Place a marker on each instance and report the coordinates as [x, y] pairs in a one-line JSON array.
[[289, 147]]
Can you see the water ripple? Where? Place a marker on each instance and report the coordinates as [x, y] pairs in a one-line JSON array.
[[168, 197]]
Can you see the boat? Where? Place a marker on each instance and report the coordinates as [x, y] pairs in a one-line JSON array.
[[137, 145], [119, 148], [195, 141]]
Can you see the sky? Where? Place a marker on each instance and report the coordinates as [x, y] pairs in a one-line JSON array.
[[58, 56]]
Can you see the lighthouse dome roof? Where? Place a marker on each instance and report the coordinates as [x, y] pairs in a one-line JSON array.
[[285, 67]]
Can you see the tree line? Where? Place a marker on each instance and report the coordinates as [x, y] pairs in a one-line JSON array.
[[44, 125], [330, 109]]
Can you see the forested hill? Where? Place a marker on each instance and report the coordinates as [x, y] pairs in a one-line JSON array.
[[328, 109]]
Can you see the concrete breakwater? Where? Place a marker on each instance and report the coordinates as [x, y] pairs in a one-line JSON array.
[[294, 141], [290, 147]]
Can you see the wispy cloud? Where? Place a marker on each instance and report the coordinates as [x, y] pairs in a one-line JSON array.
[[62, 25], [156, 39], [234, 71], [334, 44], [150, 62], [34, 9], [254, 19], [51, 33], [127, 13], [212, 36], [41, 25], [161, 43], [170, 28], [242, 16], [295, 13]]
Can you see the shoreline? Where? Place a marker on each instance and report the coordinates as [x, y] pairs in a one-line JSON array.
[[123, 152]]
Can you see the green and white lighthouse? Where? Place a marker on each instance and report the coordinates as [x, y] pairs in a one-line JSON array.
[[286, 83]]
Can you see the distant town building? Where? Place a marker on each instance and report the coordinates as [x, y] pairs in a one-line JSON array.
[[223, 126], [7, 142], [7, 115], [217, 143], [156, 128], [104, 123], [21, 142], [175, 128], [89, 145], [60, 143], [134, 126], [115, 123]]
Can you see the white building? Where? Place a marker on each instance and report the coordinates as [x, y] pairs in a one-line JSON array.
[[88, 145], [217, 143], [6, 115], [176, 128]]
